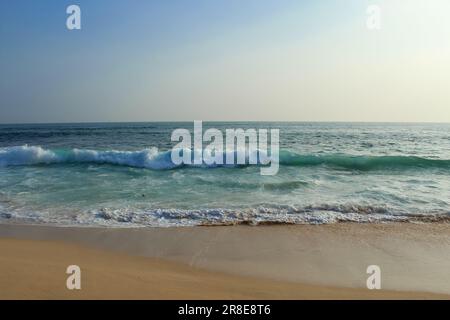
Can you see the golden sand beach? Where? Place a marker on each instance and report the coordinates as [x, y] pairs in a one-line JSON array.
[[242, 262]]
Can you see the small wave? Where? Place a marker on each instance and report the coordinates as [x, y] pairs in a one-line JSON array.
[[153, 159], [262, 215], [257, 216]]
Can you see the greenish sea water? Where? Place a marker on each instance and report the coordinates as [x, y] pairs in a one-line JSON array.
[[121, 175]]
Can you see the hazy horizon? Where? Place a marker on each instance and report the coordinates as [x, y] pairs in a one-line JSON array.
[[221, 121], [302, 61]]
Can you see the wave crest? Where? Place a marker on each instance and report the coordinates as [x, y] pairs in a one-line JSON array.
[[361, 162], [33, 155], [153, 159]]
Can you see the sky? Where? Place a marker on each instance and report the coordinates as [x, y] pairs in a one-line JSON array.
[[224, 60]]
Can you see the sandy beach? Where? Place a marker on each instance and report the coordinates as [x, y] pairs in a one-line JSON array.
[[241, 262]]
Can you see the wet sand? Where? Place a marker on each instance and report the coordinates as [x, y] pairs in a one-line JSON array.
[[241, 262]]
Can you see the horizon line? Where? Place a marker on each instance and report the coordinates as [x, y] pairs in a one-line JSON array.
[[232, 121]]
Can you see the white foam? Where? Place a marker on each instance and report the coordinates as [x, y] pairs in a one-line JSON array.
[[32, 155], [130, 217]]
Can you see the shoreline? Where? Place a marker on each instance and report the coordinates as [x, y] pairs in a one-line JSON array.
[[237, 262]]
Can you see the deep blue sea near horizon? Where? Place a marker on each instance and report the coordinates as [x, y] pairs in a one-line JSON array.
[[121, 175]]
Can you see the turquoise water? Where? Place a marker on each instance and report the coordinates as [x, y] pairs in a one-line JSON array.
[[120, 174]]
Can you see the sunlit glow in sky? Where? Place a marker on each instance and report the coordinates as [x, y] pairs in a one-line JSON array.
[[225, 60]]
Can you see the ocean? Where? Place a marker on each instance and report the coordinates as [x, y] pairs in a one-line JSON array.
[[121, 175]]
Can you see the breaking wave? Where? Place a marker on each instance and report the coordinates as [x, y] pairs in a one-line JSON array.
[[34, 155], [153, 159]]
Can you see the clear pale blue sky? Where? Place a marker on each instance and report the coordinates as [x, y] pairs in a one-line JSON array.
[[224, 60]]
